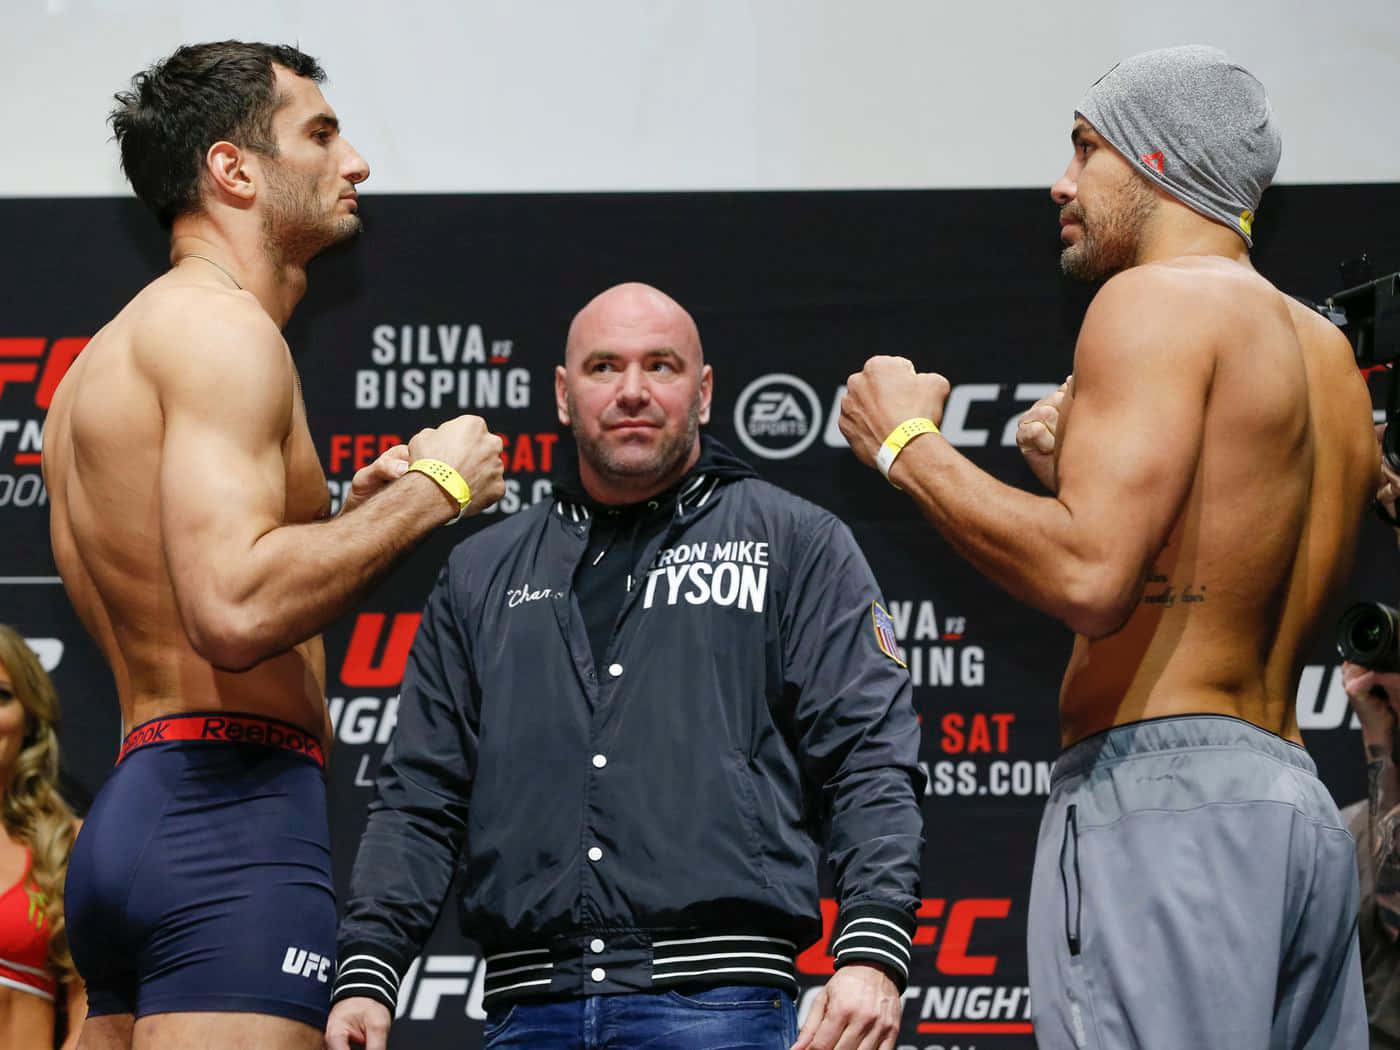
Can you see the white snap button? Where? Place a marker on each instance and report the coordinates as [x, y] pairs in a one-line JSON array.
[[599, 761], [599, 974], [615, 670], [595, 853], [596, 945]]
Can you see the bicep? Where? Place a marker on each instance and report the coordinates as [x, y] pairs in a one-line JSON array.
[[1131, 442], [227, 413]]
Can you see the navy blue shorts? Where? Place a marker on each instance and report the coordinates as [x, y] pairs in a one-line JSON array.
[[201, 881]]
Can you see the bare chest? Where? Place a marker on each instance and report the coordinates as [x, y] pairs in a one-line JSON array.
[[308, 498]]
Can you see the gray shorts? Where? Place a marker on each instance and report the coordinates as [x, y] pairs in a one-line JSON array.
[[1194, 887]]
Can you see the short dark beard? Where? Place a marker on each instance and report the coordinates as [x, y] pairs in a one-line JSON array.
[[294, 228], [668, 459], [1111, 243]]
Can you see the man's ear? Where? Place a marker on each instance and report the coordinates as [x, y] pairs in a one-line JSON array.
[[230, 171], [561, 395], [707, 388]]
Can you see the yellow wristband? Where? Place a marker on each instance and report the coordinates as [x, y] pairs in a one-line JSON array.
[[899, 437], [452, 483]]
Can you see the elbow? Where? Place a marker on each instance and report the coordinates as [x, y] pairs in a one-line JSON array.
[[1096, 602], [228, 638]]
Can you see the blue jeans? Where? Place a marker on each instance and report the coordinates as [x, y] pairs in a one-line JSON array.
[[728, 1018]]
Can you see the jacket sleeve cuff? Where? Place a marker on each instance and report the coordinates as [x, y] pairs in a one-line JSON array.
[[879, 934], [368, 970]]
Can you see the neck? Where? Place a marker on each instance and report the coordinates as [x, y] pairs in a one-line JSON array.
[[1175, 231], [245, 261], [614, 490]]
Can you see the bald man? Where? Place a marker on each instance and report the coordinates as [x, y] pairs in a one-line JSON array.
[[630, 706]]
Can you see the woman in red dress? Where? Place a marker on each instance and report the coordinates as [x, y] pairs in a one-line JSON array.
[[41, 998]]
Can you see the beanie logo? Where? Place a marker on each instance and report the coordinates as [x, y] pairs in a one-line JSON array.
[[1247, 221], [1155, 160]]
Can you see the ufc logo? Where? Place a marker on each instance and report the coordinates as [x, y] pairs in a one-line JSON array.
[[22, 361], [301, 963]]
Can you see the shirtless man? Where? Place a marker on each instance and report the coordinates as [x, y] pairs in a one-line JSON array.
[[190, 522], [1194, 885]]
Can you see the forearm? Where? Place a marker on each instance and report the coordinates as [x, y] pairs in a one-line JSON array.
[[296, 579], [876, 846], [401, 876], [1031, 546], [1383, 799]]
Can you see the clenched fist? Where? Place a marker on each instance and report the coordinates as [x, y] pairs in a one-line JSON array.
[[466, 445], [372, 478], [1037, 433], [885, 393]]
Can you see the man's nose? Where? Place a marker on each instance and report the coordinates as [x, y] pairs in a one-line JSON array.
[[1065, 187], [633, 388], [356, 168]]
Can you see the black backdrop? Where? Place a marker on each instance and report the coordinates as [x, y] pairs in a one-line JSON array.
[[460, 303]]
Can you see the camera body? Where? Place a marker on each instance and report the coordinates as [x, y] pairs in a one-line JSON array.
[[1368, 634]]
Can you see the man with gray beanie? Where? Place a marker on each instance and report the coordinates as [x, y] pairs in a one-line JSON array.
[[1209, 464]]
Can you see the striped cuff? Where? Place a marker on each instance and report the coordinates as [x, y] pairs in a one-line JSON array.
[[363, 971], [875, 933]]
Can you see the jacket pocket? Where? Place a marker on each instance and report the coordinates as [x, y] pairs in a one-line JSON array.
[[1069, 880], [746, 792]]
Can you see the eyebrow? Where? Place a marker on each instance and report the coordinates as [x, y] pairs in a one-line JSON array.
[[1080, 129], [322, 120], [609, 355]]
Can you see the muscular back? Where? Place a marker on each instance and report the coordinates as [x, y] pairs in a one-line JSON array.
[[1284, 464], [107, 470]]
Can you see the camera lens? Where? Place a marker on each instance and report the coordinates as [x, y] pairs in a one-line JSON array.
[[1368, 635]]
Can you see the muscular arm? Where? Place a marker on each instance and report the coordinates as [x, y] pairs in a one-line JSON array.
[[1128, 451], [247, 585]]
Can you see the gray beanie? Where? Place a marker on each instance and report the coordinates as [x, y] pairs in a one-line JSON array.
[[1194, 123]]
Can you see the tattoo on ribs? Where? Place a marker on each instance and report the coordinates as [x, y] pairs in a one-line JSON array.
[[1167, 596]]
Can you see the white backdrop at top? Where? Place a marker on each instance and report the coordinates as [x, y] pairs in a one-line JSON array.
[[563, 95]]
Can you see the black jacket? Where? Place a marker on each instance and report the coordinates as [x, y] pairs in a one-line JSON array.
[[654, 821]]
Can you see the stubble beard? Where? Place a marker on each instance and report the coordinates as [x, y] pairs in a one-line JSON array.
[[296, 228], [1110, 244], [669, 455]]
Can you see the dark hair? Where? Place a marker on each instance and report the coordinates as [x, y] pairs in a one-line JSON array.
[[201, 94]]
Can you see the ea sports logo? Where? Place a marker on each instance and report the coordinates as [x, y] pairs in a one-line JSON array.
[[777, 416]]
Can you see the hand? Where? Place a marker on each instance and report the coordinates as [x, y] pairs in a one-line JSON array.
[[1390, 481], [469, 448], [883, 395], [1375, 697], [358, 1021], [859, 1009], [370, 479], [1036, 434]]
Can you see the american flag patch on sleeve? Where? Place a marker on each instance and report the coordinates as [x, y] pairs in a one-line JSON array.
[[885, 634]]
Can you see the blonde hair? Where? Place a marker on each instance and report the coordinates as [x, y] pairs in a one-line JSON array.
[[33, 811]]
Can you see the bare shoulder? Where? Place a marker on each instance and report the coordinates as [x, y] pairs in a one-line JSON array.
[[210, 342], [1338, 392], [1155, 313], [1322, 338]]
